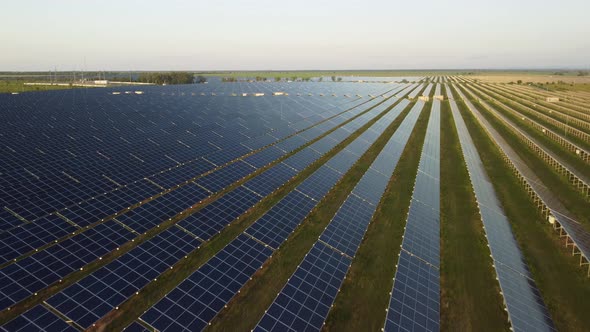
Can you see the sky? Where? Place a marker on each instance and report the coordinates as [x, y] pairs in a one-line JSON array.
[[293, 35]]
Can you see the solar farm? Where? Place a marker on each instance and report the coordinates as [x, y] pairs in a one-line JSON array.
[[443, 203]]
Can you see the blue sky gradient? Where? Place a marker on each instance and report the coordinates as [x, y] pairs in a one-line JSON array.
[[303, 34]]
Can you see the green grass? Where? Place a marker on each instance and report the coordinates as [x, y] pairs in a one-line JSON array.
[[364, 296], [470, 299], [18, 86], [563, 284], [255, 297], [154, 291]]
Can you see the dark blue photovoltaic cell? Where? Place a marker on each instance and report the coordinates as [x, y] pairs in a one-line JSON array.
[[346, 230], [228, 154], [97, 294], [271, 180], [305, 300], [324, 145], [222, 178], [259, 142], [38, 318], [275, 225], [155, 212], [415, 299], [319, 183], [371, 187], [31, 236], [291, 143], [193, 303], [31, 274], [342, 161], [264, 157], [212, 218], [183, 173], [135, 327], [302, 159], [8, 221]]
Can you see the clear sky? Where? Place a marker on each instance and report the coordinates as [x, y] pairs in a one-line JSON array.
[[296, 34]]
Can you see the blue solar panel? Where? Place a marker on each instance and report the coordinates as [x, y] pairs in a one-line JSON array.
[[302, 159], [191, 305], [518, 287], [320, 182], [38, 318], [30, 236], [305, 301], [318, 278], [97, 294], [37, 271], [275, 226], [212, 218], [415, 298], [222, 178], [271, 180], [264, 157]]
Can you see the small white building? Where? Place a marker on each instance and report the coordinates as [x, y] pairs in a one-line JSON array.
[[552, 99], [258, 94], [101, 82], [278, 93], [424, 98], [439, 97]]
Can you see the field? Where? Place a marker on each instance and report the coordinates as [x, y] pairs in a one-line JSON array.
[[455, 203]]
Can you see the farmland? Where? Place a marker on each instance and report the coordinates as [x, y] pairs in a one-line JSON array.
[[413, 200]]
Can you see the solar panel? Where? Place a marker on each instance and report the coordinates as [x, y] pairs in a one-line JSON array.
[[191, 305], [509, 263], [38, 318], [97, 294], [415, 298], [321, 273]]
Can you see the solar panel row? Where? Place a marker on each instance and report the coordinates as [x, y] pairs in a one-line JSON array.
[[414, 303], [272, 228], [103, 206], [526, 309], [305, 300], [215, 218], [72, 175]]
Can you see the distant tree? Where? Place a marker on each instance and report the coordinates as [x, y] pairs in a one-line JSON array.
[[405, 81], [167, 78], [201, 79], [321, 79], [519, 82], [333, 78], [277, 79], [294, 78], [339, 79], [582, 73]]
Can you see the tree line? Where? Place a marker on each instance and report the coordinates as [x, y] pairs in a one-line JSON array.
[[175, 77]]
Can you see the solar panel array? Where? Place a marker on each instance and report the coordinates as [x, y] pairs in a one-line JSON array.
[[525, 307], [415, 297], [24, 277], [264, 236], [86, 173], [304, 302], [204, 224]]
